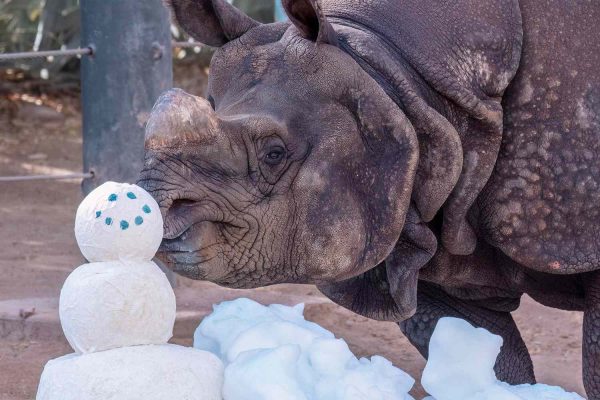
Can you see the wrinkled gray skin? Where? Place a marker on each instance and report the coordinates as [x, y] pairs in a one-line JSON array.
[[414, 159]]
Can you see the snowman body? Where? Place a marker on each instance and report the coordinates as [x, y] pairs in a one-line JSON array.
[[107, 305], [118, 311]]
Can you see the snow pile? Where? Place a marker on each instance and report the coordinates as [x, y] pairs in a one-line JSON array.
[[272, 353], [461, 367]]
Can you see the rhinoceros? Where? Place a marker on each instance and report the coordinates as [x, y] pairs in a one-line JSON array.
[[414, 159]]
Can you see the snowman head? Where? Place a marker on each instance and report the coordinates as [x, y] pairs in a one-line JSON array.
[[118, 221]]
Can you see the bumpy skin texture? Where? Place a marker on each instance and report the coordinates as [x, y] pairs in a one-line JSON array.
[[414, 159], [541, 205]]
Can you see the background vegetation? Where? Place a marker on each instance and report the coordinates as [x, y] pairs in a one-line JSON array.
[[31, 25]]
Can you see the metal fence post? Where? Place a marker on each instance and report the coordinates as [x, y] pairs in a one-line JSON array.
[[130, 66]]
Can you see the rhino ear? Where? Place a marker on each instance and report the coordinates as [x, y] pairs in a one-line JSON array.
[[308, 17], [212, 22]]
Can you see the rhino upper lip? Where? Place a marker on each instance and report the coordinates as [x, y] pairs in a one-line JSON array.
[[177, 252], [177, 259]]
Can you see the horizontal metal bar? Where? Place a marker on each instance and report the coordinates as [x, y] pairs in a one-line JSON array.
[[76, 52], [24, 178], [49, 53]]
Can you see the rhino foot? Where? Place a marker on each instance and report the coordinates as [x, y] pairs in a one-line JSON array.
[[513, 365]]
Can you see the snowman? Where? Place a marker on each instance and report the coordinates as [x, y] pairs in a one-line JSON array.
[[118, 311]]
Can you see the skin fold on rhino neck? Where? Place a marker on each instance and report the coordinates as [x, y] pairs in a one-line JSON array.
[[402, 82], [458, 118], [443, 147]]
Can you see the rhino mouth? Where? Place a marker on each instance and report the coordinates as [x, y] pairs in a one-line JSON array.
[[195, 236], [188, 249]]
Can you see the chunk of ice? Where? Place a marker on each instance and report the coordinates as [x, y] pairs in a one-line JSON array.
[[461, 367]]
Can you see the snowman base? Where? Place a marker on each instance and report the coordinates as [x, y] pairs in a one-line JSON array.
[[148, 372]]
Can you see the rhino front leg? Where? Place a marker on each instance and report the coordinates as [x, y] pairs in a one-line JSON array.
[[591, 335], [513, 364]]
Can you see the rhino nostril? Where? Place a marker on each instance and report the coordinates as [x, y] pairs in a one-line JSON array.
[[182, 214], [177, 215], [182, 203], [178, 208]]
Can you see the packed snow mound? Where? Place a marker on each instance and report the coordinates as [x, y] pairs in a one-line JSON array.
[[105, 305], [118, 221], [461, 367], [152, 372], [272, 353]]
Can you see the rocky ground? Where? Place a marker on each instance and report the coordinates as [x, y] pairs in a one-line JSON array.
[[38, 250]]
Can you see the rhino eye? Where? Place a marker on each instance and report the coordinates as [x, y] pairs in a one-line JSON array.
[[275, 155]]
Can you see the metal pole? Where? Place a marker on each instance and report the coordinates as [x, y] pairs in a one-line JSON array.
[[129, 67]]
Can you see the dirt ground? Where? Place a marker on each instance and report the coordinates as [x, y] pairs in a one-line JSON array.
[[38, 251]]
